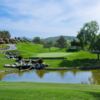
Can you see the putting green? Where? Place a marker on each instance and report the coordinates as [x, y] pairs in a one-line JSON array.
[[58, 54]]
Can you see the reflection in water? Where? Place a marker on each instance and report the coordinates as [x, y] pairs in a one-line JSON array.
[[96, 76], [2, 74], [75, 76], [40, 73]]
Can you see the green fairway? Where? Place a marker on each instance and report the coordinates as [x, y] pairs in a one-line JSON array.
[[30, 49], [54, 54], [74, 59], [82, 55], [37, 50], [43, 91], [77, 59]]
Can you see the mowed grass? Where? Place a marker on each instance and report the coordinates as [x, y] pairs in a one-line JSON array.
[[30, 49], [82, 55], [75, 59], [37, 50], [4, 60], [53, 54], [79, 59], [46, 91]]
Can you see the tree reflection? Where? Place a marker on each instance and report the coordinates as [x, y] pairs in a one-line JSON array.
[[96, 76], [62, 73], [2, 75], [41, 73]]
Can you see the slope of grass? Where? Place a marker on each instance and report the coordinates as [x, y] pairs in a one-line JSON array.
[[37, 50], [76, 59], [45, 91], [4, 60], [82, 58], [82, 55], [30, 49]]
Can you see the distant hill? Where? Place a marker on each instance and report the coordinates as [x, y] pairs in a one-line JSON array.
[[53, 39]]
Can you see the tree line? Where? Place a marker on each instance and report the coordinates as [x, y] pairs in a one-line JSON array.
[[5, 38], [88, 38]]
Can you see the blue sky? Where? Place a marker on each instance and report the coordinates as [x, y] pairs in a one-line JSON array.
[[46, 18]]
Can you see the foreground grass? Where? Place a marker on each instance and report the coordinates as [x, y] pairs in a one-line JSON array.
[[43, 91]]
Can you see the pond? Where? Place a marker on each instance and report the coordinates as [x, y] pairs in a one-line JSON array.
[[70, 76]]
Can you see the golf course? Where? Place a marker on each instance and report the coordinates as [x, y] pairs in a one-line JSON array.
[[75, 59], [49, 91], [49, 50]]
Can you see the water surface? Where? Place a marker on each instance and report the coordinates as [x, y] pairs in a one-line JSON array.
[[72, 76]]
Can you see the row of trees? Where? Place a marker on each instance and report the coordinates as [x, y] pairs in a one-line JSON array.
[[5, 37], [88, 38], [60, 43], [5, 34]]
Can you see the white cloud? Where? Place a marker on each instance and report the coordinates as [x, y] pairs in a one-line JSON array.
[[52, 17]]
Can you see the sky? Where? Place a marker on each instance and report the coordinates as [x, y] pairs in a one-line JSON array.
[[46, 18]]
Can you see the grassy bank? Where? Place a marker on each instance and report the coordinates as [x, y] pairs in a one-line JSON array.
[[40, 91], [76, 59], [4, 60], [3, 46]]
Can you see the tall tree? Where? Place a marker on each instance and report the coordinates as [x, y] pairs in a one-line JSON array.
[[48, 45], [75, 43], [96, 46], [37, 40], [5, 34], [88, 33], [61, 42]]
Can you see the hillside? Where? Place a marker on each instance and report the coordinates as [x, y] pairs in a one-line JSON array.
[[69, 38], [30, 49]]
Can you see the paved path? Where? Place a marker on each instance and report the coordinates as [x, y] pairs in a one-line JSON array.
[[12, 47]]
